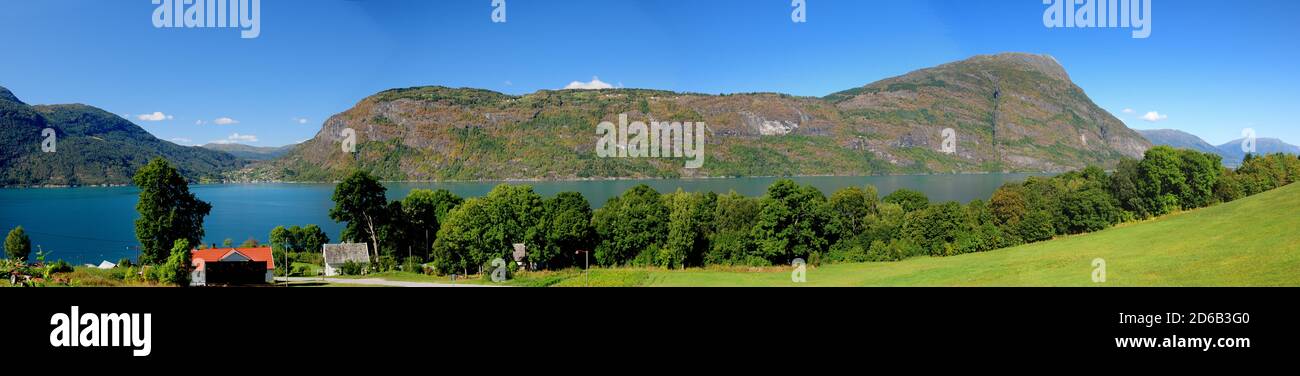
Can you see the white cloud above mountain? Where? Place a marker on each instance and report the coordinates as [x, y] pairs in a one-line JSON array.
[[156, 116], [1155, 116], [594, 84], [237, 139]]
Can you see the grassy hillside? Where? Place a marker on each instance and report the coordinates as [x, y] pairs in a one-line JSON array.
[[1249, 242]]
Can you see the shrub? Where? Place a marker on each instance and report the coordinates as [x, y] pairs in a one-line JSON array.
[[351, 268], [176, 270], [646, 258], [851, 250], [59, 267], [756, 261], [385, 264], [894, 250], [301, 270]]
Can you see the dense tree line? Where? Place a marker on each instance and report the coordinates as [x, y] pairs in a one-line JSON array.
[[297, 244], [643, 227]]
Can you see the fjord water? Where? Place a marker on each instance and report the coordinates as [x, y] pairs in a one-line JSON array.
[[88, 225]]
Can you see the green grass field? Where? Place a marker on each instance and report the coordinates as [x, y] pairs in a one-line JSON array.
[[1249, 242]]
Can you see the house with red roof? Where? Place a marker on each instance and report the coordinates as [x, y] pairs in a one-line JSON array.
[[232, 266]]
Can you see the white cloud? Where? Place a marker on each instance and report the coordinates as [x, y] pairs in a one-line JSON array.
[[225, 121], [182, 140], [300, 120], [1129, 111], [595, 84], [1154, 116], [237, 138], [156, 116], [198, 122]]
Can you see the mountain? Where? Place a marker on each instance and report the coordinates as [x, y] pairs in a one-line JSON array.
[[93, 147], [1231, 151], [1178, 139], [252, 153], [1010, 112], [1233, 155]]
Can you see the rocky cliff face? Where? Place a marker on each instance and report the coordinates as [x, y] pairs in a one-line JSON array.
[[1008, 112]]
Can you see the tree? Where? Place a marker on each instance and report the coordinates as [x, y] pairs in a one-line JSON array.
[[1202, 171], [396, 234], [516, 211], [565, 228], [17, 245], [482, 229], [359, 200], [1125, 188], [168, 211], [1161, 181], [312, 239], [630, 224], [284, 239], [936, 228], [908, 199], [982, 232], [733, 220], [1036, 226], [1089, 210], [1044, 197], [1008, 205], [849, 210], [176, 270], [792, 223], [690, 218], [424, 211], [886, 224], [1228, 188], [294, 239], [462, 236]]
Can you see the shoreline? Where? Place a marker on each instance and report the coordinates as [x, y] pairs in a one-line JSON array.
[[540, 180]]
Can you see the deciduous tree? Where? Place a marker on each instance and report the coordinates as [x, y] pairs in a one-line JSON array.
[[168, 211]]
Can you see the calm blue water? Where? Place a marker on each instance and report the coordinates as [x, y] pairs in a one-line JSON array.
[[87, 225]]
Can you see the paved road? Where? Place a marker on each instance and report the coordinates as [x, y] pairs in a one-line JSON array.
[[375, 282]]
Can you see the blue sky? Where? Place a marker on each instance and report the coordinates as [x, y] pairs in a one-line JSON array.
[[1209, 67]]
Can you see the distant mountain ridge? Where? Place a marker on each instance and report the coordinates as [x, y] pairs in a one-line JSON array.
[[92, 147], [252, 153], [1178, 139], [1010, 112], [1230, 151]]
